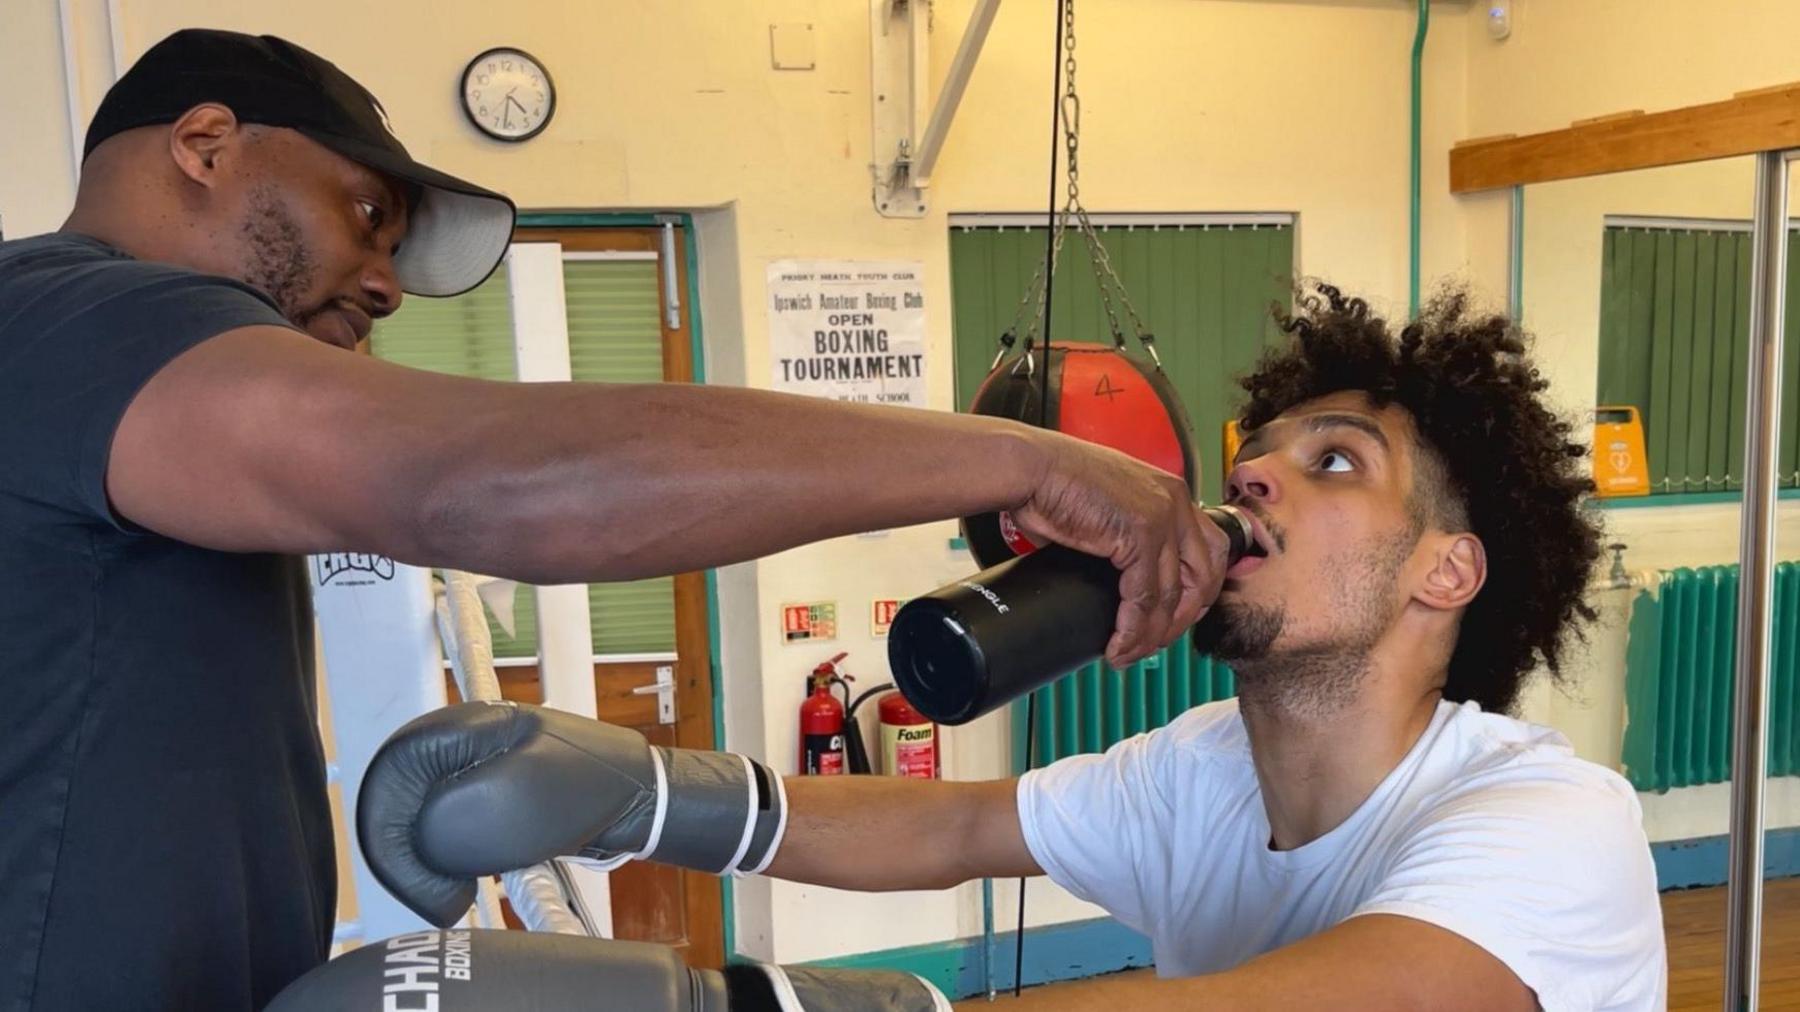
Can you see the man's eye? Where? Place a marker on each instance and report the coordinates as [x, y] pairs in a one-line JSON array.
[[373, 212], [1336, 460]]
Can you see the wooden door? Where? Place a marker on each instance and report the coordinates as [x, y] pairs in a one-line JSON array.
[[652, 902]]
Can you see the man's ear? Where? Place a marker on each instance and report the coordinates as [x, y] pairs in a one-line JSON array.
[[1458, 568], [198, 138]]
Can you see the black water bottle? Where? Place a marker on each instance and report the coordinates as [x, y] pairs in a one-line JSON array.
[[972, 647]]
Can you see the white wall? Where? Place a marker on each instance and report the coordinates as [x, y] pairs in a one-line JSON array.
[[1189, 105], [1570, 61], [1590, 706]]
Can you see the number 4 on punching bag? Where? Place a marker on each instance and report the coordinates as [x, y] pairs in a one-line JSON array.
[[1099, 393]]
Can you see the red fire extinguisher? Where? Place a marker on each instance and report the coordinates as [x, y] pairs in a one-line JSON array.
[[822, 723], [909, 741]]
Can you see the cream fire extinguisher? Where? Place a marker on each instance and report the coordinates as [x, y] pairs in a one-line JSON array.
[[909, 741], [822, 723]]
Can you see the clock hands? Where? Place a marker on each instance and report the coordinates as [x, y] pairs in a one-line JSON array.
[[513, 102]]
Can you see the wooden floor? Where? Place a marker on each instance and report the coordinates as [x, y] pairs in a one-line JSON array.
[[1694, 921]]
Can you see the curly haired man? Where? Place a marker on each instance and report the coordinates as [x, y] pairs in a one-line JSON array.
[[1364, 826]]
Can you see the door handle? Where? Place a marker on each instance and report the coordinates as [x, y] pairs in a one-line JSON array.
[[664, 691]]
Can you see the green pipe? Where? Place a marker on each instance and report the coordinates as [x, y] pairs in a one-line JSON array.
[[1418, 88]]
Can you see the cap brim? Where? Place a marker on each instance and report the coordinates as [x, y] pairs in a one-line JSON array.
[[458, 231]]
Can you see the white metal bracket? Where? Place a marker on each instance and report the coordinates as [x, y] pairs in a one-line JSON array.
[[907, 145], [899, 69]]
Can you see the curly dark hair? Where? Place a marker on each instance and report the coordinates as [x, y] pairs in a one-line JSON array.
[[1496, 462]]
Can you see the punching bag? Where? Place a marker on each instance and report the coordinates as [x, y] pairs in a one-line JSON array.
[[1097, 392]]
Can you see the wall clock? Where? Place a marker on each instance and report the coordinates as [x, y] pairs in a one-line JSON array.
[[507, 94]]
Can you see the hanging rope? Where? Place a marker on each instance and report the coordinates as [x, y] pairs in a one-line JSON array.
[[1065, 25], [1032, 317]]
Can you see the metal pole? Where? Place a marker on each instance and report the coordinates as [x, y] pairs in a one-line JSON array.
[[987, 935], [65, 12], [1756, 553], [1515, 267], [671, 280], [116, 27]]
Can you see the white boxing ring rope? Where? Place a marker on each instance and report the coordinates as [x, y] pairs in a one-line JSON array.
[[537, 893]]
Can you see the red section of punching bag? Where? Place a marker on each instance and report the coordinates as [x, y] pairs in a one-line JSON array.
[[1098, 393], [1107, 399]]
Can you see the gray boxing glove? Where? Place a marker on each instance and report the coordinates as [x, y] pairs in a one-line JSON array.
[[465, 971], [484, 788]]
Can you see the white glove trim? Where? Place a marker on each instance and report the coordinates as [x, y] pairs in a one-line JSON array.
[[612, 863], [780, 829], [662, 805], [938, 1001], [784, 988], [749, 816]]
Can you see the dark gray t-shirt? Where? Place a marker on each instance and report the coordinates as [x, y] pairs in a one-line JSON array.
[[165, 840]]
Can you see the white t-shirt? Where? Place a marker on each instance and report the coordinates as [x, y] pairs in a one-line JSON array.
[[1490, 828]]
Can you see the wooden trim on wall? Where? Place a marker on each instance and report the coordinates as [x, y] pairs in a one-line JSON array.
[[595, 240], [1767, 119]]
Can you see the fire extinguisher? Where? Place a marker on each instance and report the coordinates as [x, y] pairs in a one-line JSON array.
[[909, 740], [822, 723]]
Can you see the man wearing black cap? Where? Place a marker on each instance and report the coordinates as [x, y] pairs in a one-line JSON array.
[[170, 445]]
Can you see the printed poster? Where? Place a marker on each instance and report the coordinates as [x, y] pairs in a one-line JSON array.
[[849, 330]]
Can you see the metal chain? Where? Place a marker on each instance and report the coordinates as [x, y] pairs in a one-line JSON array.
[[1071, 104], [1071, 107], [1034, 292], [1034, 295], [1106, 277]]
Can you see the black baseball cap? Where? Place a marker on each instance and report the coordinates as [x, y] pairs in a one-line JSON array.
[[458, 230]]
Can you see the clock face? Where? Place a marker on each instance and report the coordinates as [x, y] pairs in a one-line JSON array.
[[507, 94]]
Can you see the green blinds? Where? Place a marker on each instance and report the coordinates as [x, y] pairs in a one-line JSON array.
[[469, 335], [1674, 330], [614, 336], [615, 330], [1205, 292]]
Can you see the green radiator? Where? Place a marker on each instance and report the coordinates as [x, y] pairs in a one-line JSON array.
[[1680, 667], [1095, 706]]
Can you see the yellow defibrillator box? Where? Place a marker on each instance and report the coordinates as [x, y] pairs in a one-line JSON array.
[[1620, 465]]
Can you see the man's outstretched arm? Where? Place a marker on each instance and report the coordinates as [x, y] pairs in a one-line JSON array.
[[863, 832], [479, 789], [262, 439]]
